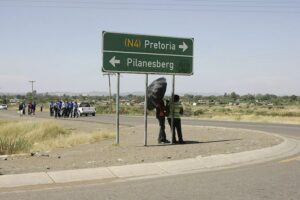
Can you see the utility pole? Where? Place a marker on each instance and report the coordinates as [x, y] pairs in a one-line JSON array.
[[32, 88], [32, 85]]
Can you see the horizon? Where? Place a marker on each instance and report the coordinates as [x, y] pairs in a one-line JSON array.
[[137, 93]]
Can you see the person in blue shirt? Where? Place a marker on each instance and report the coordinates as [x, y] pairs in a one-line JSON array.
[[75, 108], [51, 108], [70, 109]]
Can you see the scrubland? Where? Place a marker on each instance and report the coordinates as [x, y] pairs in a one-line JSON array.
[[241, 112], [31, 136]]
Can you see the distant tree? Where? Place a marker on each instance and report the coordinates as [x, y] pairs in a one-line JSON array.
[[234, 96], [293, 98], [248, 98], [4, 99]]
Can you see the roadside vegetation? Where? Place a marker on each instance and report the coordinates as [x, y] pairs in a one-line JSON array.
[[260, 108], [230, 106], [30, 136]]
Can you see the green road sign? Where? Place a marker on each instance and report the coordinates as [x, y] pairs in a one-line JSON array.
[[132, 53]]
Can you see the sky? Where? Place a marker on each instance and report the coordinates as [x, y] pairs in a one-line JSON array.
[[250, 46]]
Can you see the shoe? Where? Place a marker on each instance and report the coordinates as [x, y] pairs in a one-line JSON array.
[[161, 142], [166, 141], [174, 142], [181, 142]]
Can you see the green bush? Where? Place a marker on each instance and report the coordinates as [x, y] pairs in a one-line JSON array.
[[198, 112]]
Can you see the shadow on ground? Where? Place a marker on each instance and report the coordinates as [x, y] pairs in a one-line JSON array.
[[186, 142]]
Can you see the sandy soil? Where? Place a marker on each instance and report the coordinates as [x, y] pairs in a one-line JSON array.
[[202, 141]]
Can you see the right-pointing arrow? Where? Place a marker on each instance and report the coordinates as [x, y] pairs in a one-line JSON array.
[[113, 61], [183, 46]]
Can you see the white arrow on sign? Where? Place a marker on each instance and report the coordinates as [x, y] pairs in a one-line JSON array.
[[113, 61], [183, 46]]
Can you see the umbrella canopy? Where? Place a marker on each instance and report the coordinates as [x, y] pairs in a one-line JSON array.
[[156, 92]]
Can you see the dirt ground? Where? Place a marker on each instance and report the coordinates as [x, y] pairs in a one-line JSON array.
[[200, 140]]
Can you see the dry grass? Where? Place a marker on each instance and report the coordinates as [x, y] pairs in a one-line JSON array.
[[26, 136], [71, 140], [255, 118], [243, 112]]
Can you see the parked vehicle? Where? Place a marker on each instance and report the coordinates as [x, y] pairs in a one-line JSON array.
[[3, 107], [86, 109]]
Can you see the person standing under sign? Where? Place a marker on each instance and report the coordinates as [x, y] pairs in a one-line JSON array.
[[161, 117], [178, 111]]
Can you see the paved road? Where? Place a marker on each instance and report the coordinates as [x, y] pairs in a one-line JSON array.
[[279, 179]]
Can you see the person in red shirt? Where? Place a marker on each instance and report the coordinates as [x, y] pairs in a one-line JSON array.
[[161, 117]]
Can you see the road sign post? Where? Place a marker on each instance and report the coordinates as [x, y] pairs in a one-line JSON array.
[[145, 111], [146, 54], [118, 110]]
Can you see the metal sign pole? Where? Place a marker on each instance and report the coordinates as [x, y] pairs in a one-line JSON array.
[[110, 103], [172, 110], [145, 111], [118, 110]]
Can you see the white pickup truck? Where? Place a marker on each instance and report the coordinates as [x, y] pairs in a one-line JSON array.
[[3, 107], [86, 109]]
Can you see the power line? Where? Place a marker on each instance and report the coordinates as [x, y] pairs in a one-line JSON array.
[[191, 9], [178, 2], [131, 5], [155, 4], [171, 1]]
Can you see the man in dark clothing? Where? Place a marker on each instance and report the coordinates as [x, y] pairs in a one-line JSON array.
[[33, 107], [21, 109], [160, 115], [24, 108], [55, 109], [51, 108], [29, 110]]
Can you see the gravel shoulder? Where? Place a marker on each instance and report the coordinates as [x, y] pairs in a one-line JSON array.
[[200, 140]]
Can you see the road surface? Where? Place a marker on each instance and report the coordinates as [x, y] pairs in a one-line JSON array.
[[278, 179]]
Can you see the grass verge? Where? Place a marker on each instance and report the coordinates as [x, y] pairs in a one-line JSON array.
[[26, 136]]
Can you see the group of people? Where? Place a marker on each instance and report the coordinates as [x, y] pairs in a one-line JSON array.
[[167, 110], [31, 107], [70, 109], [64, 109]]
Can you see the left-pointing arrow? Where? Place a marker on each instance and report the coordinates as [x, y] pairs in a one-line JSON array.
[[113, 61]]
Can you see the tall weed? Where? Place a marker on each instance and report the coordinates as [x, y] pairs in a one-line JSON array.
[[25, 136]]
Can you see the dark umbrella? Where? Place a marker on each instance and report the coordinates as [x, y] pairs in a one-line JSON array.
[[156, 92]]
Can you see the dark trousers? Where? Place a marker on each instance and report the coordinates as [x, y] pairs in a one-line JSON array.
[[177, 127], [51, 111], [56, 112], [162, 133], [75, 113]]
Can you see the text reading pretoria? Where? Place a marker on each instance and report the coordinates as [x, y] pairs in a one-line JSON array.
[[147, 44]]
